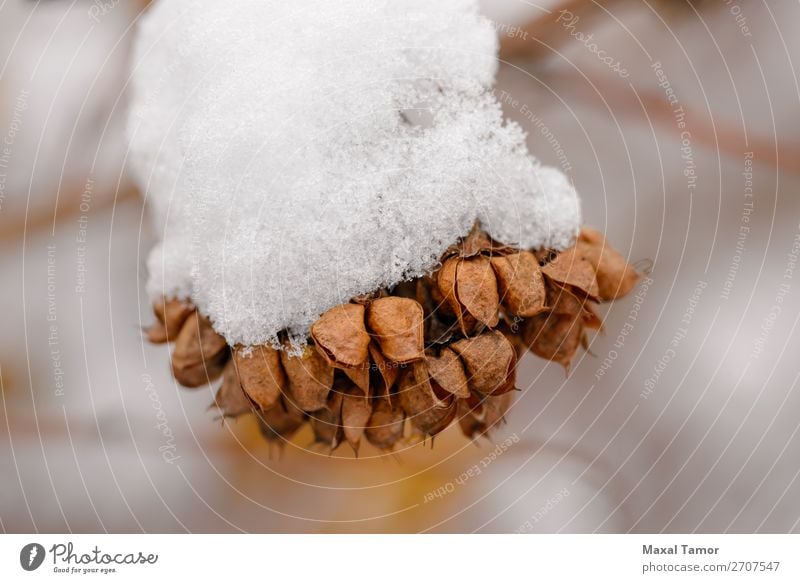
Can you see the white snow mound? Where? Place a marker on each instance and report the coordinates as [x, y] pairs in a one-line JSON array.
[[295, 154]]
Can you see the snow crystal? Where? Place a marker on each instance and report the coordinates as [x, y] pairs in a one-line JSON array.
[[296, 154]]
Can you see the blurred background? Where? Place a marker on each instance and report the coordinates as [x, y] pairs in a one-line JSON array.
[[678, 122]]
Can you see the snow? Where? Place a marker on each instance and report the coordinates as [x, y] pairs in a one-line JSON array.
[[296, 154]]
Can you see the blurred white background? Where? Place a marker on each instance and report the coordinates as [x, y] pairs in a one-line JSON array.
[[684, 419]]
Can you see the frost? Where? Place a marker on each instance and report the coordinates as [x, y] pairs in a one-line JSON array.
[[296, 154]]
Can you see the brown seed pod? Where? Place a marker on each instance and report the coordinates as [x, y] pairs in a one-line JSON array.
[[156, 333], [397, 324], [490, 362], [172, 314], [478, 418], [341, 336], [615, 276], [280, 422], [385, 427], [437, 331], [520, 283], [383, 374], [446, 288], [495, 409], [424, 408], [360, 378], [554, 336], [261, 374], [327, 423], [475, 243], [572, 270], [231, 400], [447, 371], [470, 425], [309, 378], [199, 354], [356, 411], [476, 291]]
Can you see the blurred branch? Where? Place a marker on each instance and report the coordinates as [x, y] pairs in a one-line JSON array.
[[540, 36], [13, 228]]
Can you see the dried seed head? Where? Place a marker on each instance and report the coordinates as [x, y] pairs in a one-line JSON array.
[[261, 374], [520, 283], [571, 269], [615, 277], [341, 336], [447, 371], [385, 427], [309, 379], [199, 354], [231, 400], [490, 362], [397, 324], [476, 290], [356, 411]]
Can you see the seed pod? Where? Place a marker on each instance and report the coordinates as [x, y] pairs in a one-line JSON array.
[[476, 290], [446, 286], [172, 314], [309, 378], [383, 374], [478, 242], [470, 425], [478, 419], [261, 374], [495, 409], [565, 303], [341, 336], [200, 353], [490, 362], [615, 277], [554, 336], [280, 422], [156, 333], [231, 400], [437, 331], [356, 411], [520, 283], [571, 269], [475, 243], [397, 324], [359, 377], [590, 319], [385, 427], [448, 372], [327, 423], [513, 333], [424, 408]]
